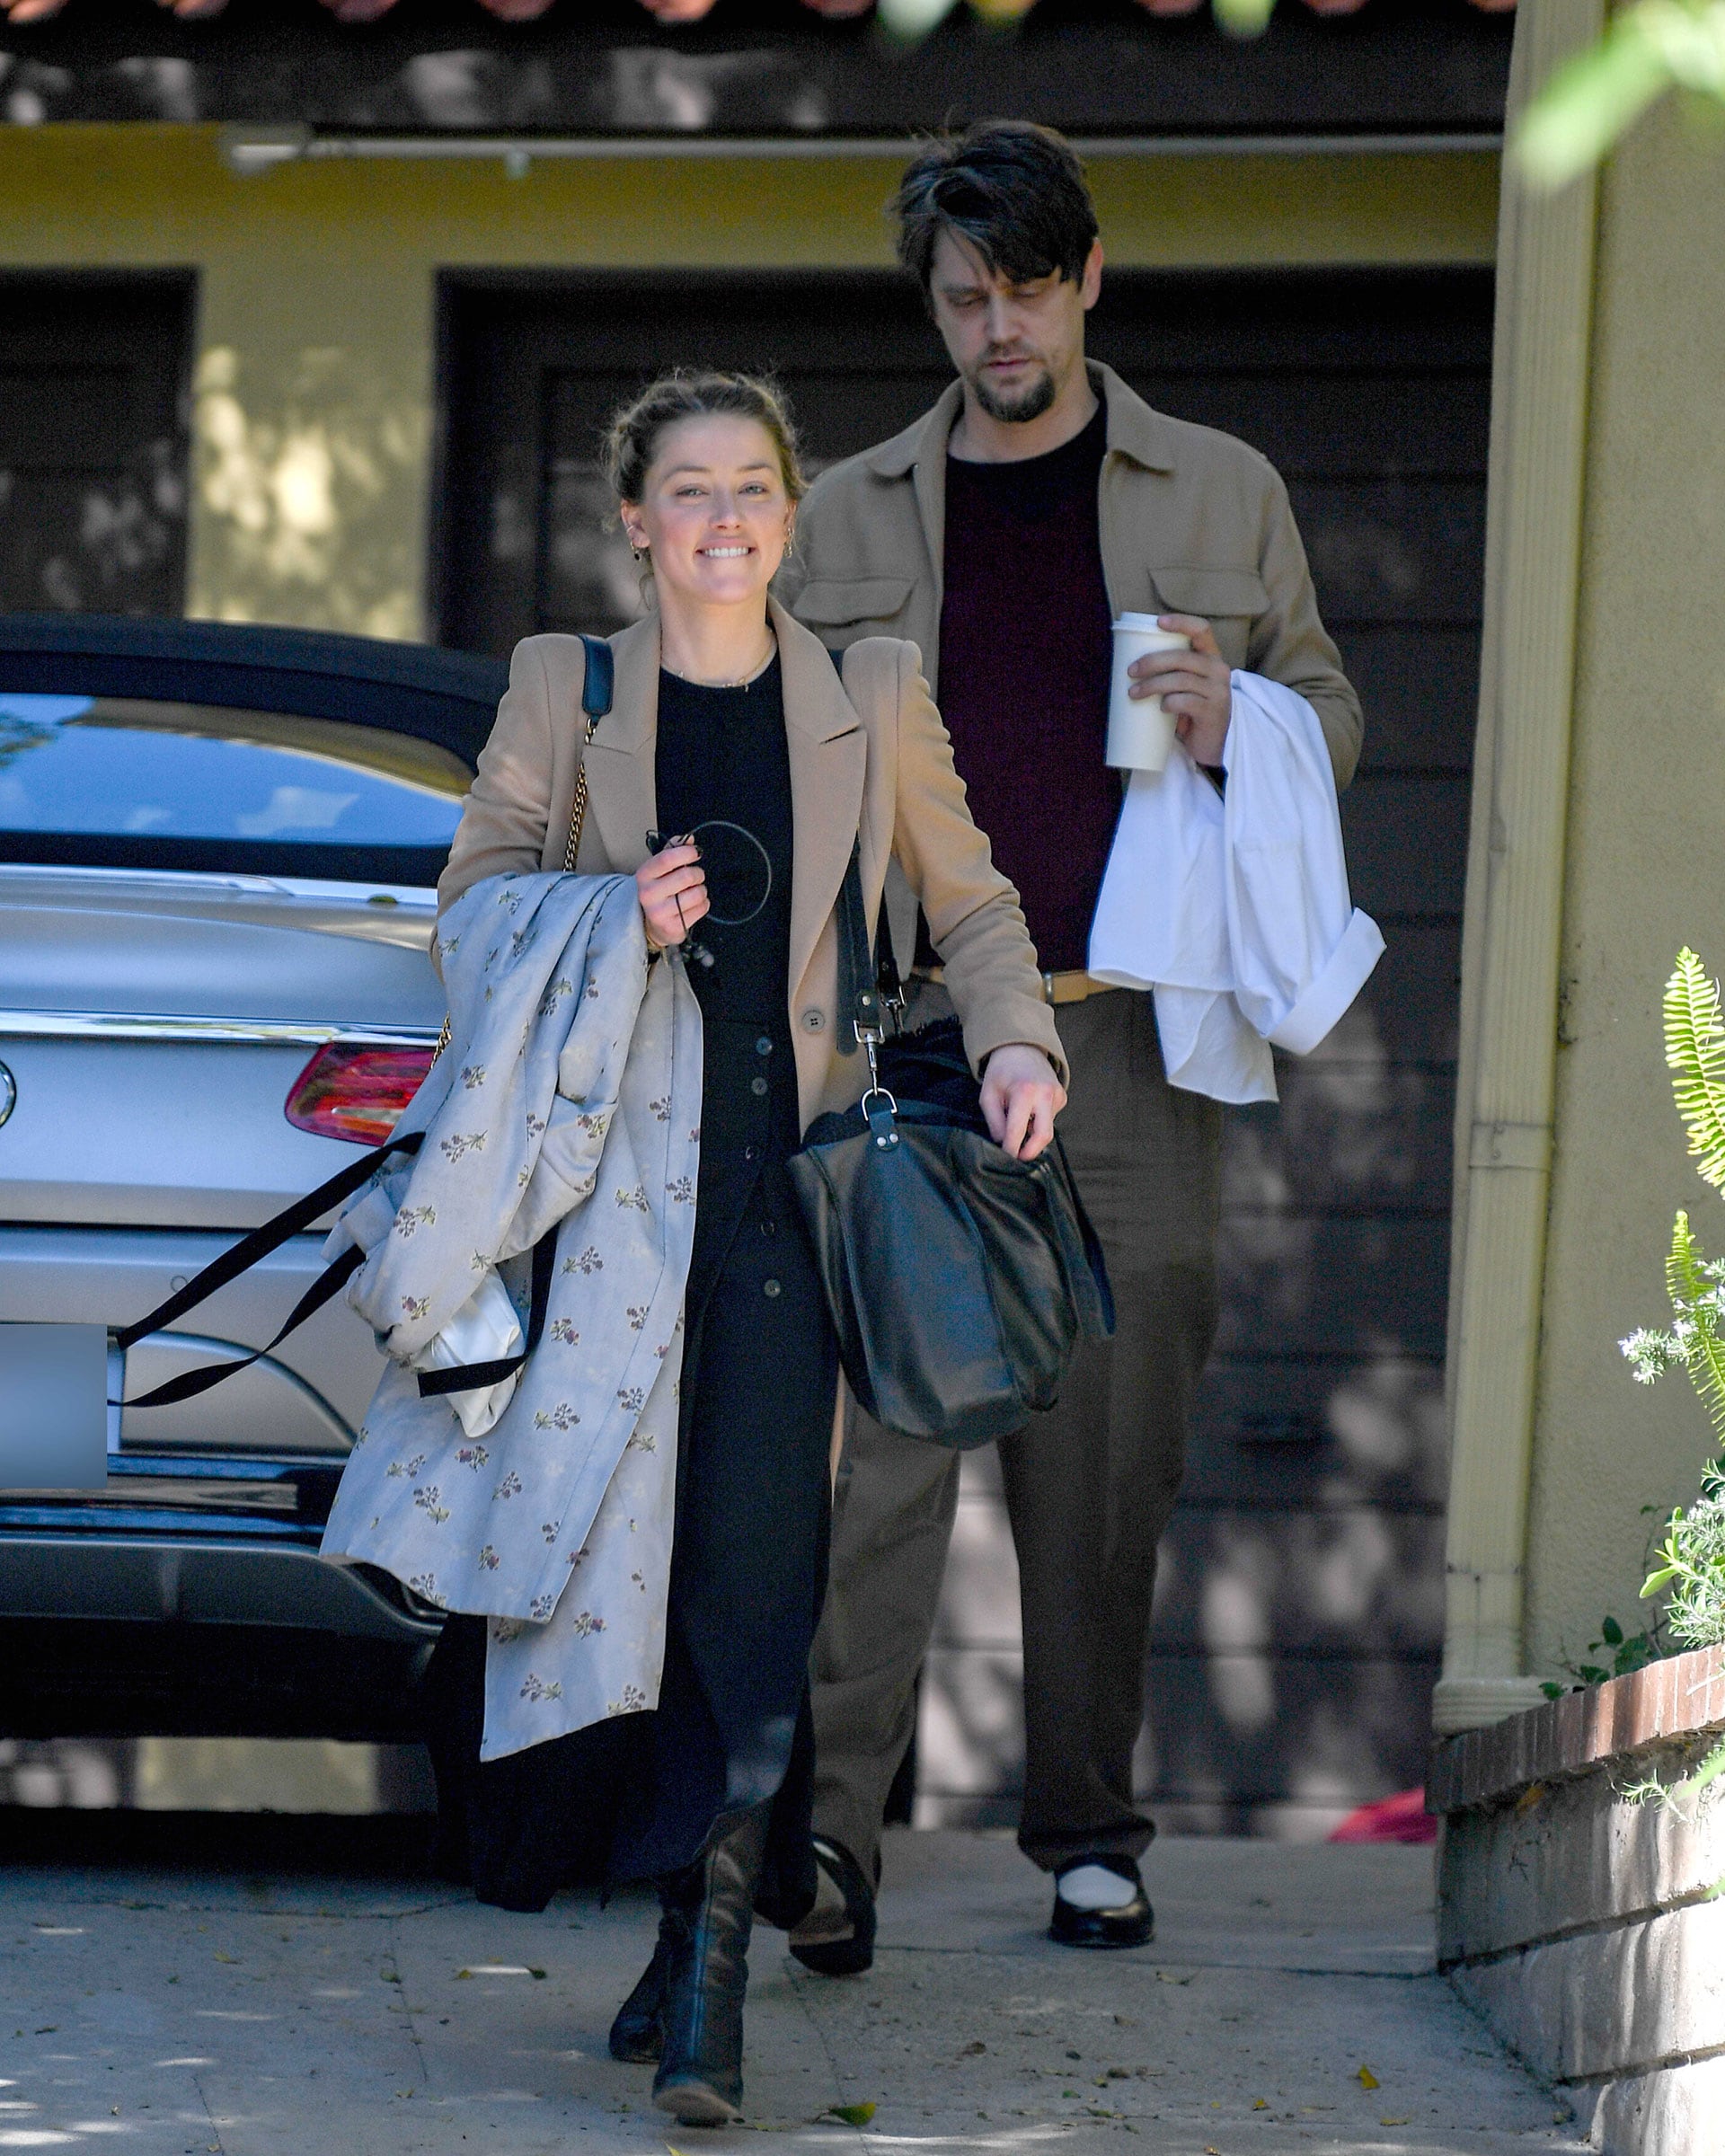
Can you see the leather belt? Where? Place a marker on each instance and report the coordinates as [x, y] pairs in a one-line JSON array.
[[1074, 988]]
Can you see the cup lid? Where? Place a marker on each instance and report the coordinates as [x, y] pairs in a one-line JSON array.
[[1136, 623]]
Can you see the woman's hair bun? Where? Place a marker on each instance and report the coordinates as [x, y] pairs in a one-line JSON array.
[[632, 438]]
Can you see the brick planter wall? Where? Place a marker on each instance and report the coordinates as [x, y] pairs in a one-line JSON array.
[[1579, 1923]]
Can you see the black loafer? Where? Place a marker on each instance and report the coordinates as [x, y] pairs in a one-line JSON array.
[[842, 1957], [1132, 1922]]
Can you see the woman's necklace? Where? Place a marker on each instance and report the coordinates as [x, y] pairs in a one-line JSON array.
[[742, 680]]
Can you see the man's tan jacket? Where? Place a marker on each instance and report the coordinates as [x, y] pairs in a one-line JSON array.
[[1192, 522]]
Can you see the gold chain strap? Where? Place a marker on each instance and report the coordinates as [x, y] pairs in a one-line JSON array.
[[572, 846], [577, 814]]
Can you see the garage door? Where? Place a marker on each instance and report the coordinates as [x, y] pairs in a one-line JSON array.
[[1301, 1608], [92, 442]]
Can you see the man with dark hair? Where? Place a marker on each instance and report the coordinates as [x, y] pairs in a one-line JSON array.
[[1002, 532]]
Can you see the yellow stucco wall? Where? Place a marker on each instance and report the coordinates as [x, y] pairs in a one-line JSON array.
[[1645, 873], [315, 399]]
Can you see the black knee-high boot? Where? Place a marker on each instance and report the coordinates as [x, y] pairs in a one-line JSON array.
[[709, 1912], [638, 2033]]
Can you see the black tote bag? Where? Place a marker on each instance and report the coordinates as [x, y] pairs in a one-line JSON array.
[[960, 1279]]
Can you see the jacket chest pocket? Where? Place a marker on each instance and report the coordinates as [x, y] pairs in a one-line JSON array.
[[1229, 600], [857, 604]]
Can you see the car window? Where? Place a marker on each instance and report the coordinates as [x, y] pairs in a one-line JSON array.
[[121, 783]]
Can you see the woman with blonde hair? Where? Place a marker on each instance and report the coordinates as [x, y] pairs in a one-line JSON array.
[[728, 714]]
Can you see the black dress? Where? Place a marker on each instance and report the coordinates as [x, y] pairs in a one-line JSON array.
[[637, 1797]]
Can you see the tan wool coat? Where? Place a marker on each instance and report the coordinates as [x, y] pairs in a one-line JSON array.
[[869, 757], [1192, 522]]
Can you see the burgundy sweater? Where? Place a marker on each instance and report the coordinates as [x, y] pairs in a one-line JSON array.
[[1025, 656]]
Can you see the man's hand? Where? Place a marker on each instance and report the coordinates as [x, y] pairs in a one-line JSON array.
[[1021, 1098], [672, 888], [1193, 686]]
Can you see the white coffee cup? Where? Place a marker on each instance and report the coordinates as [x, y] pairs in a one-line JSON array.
[[1140, 733]]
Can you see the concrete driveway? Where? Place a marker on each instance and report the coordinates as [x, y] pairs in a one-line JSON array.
[[1287, 2005]]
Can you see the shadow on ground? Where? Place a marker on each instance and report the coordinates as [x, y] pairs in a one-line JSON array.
[[255, 1986]]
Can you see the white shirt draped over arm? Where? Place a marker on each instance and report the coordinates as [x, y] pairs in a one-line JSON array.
[[1234, 907]]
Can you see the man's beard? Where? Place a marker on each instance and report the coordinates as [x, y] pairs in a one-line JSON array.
[[1034, 401]]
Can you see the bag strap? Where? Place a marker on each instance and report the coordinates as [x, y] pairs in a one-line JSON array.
[[859, 1000], [291, 1221], [598, 684], [468, 1377], [869, 985]]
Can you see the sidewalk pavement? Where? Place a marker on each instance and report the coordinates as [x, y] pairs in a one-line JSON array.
[[1287, 2005]]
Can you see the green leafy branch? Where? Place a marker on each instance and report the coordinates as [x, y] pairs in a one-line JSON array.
[[1683, 1798], [1689, 1566], [1650, 47], [1694, 1048], [910, 21], [1622, 1652]]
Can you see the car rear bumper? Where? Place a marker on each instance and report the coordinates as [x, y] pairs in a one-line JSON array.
[[152, 1577], [159, 1630]]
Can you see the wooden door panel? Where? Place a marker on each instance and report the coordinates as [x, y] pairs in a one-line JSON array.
[[1327, 1284], [92, 442], [1418, 687], [1357, 1137], [1407, 845]]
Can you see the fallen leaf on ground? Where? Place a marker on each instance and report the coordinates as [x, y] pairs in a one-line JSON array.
[[227, 1957], [1395, 2122], [1258, 2104], [973, 2050], [854, 2115], [1368, 2079]]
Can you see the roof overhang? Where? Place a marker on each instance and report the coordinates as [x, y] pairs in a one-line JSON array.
[[769, 72]]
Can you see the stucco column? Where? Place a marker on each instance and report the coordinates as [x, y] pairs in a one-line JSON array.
[[1510, 946]]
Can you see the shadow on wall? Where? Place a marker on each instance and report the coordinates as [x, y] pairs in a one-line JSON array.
[[97, 545], [309, 481]]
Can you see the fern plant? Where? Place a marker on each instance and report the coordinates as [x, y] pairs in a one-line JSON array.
[[1690, 1564], [1694, 1048]]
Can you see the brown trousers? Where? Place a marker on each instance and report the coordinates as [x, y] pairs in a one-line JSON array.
[[1089, 1486]]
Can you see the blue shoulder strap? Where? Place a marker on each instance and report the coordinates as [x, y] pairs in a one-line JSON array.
[[601, 678]]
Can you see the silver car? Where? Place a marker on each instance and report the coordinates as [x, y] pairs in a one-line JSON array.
[[218, 846]]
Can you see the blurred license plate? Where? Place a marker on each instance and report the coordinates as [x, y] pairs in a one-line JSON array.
[[53, 1407]]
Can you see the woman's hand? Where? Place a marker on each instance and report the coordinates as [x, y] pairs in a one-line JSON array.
[[1021, 1098], [672, 887]]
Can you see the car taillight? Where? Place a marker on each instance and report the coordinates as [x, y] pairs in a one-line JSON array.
[[356, 1093]]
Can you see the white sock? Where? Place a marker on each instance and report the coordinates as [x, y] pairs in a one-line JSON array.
[[1094, 1886]]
